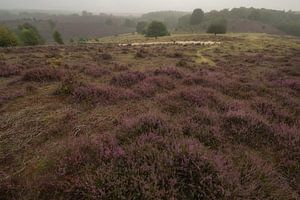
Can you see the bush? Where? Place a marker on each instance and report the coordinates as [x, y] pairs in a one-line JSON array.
[[43, 75], [248, 129], [100, 94], [96, 71], [150, 85], [170, 71], [145, 123], [7, 37], [7, 71], [57, 37], [156, 29], [127, 79]]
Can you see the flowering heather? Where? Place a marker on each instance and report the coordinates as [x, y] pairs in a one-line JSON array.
[[170, 71], [7, 96], [96, 71], [7, 71], [146, 123], [133, 129], [43, 75], [151, 85], [127, 79], [248, 129], [203, 97], [101, 94]]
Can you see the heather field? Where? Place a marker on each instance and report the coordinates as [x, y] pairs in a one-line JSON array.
[[100, 121]]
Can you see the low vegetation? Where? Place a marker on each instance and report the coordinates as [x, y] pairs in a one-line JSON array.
[[97, 121]]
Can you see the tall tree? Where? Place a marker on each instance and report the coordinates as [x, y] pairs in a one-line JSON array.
[[57, 37], [7, 37], [218, 27], [157, 29], [197, 17], [29, 35]]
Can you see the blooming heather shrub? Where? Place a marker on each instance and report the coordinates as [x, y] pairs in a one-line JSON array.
[[7, 71], [101, 94], [11, 95], [170, 71], [150, 85], [261, 180], [127, 79], [203, 97], [42, 75], [96, 71], [106, 56], [145, 123], [272, 111], [203, 124], [248, 128]]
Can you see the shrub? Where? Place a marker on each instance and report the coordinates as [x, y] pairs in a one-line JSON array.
[[57, 37], [203, 97], [8, 96], [7, 71], [170, 71], [106, 56], [151, 85], [145, 123], [43, 75], [7, 37], [127, 79], [101, 94], [248, 129], [96, 71]]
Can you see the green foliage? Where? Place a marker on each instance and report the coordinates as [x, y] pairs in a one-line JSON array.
[[218, 27], [157, 29], [129, 23], [7, 37], [29, 35], [184, 21], [57, 37], [197, 17], [141, 27]]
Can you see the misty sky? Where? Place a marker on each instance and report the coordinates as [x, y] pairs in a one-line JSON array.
[[144, 5]]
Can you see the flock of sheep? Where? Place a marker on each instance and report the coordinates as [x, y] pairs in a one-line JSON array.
[[207, 43]]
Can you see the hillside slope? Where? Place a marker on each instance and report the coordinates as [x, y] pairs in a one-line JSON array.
[[157, 122]]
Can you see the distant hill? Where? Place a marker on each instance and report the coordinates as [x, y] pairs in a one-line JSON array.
[[170, 18]]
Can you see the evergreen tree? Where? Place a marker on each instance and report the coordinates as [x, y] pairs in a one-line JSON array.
[[57, 37], [197, 17]]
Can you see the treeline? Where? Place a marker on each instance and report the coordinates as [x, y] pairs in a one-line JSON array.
[[286, 21], [25, 35]]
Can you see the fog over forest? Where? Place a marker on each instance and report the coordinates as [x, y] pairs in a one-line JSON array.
[[145, 6]]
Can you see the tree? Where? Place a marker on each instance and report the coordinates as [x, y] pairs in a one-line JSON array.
[[28, 37], [129, 23], [218, 27], [156, 29], [30, 34], [141, 27], [57, 37], [7, 37], [197, 17]]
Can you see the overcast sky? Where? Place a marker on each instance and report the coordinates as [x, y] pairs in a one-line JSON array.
[[145, 5]]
